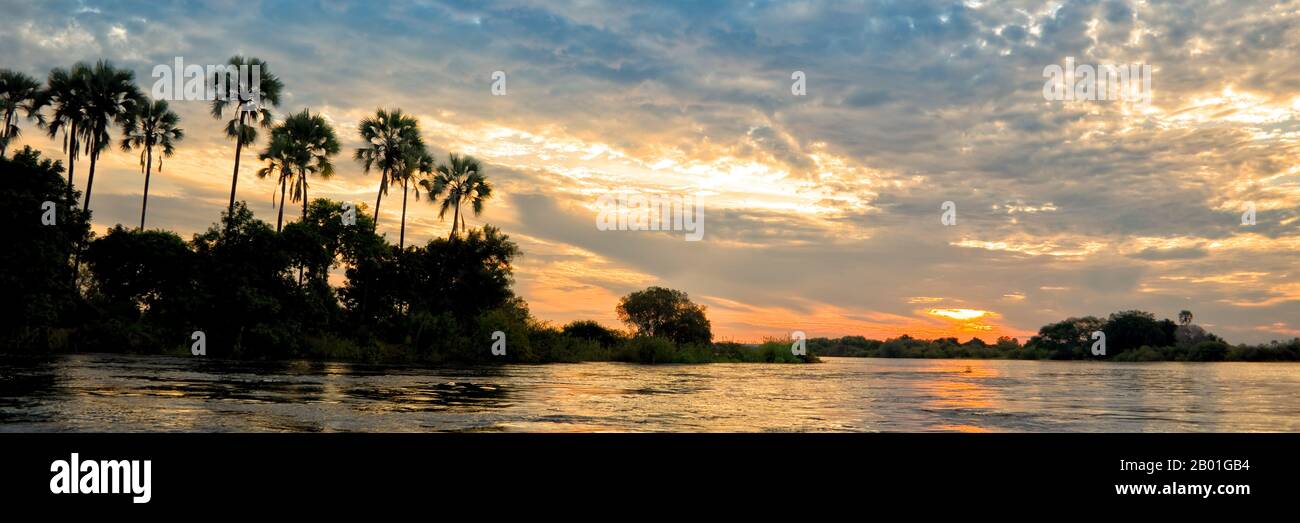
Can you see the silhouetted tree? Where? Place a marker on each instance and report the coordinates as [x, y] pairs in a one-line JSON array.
[[279, 164], [234, 89], [66, 93], [143, 290], [36, 259], [666, 313], [18, 92], [416, 161], [311, 143], [1068, 338], [458, 181], [590, 330], [111, 98], [461, 278], [152, 125], [243, 302], [1127, 330], [388, 136]]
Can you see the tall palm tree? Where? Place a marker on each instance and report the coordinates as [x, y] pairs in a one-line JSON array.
[[252, 102], [111, 97], [388, 135], [18, 91], [153, 124], [277, 156], [458, 181], [415, 159], [66, 93], [311, 142]]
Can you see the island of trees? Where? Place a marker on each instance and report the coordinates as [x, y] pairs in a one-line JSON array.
[[250, 290], [257, 291]]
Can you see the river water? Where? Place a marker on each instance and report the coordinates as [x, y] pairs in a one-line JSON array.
[[95, 392]]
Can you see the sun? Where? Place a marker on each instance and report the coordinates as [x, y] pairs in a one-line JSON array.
[[958, 314]]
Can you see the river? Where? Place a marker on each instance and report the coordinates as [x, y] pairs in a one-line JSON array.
[[117, 393]]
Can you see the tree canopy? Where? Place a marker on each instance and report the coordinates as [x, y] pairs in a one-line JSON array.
[[665, 313]]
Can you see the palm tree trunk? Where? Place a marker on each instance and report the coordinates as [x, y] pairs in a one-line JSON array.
[[304, 196], [239, 147], [383, 181], [365, 293], [90, 179], [72, 159], [401, 237], [148, 170], [455, 217], [85, 208], [4, 137], [280, 219], [302, 177]]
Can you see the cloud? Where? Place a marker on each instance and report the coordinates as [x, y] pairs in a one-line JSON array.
[[1171, 254]]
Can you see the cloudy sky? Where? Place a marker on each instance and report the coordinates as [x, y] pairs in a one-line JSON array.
[[822, 212]]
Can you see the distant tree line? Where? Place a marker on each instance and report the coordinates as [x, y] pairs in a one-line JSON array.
[[1130, 336]]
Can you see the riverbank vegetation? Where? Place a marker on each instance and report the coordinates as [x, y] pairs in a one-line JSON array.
[[244, 289], [1130, 336], [258, 293]]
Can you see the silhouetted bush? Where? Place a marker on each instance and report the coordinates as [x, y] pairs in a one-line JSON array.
[[41, 302], [665, 313], [590, 330]]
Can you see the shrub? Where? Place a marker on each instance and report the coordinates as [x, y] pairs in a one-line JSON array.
[[590, 330], [646, 349], [1208, 351]]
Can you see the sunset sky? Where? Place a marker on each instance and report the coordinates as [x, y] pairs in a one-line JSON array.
[[822, 212]]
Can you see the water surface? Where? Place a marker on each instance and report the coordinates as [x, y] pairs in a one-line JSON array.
[[92, 392]]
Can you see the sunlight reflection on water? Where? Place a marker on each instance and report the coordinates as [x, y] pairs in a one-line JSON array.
[[144, 393]]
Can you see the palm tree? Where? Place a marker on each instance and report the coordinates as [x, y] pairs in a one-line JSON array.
[[279, 164], [415, 159], [461, 180], [311, 142], [252, 101], [66, 92], [18, 91], [153, 124], [388, 135], [111, 97]]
